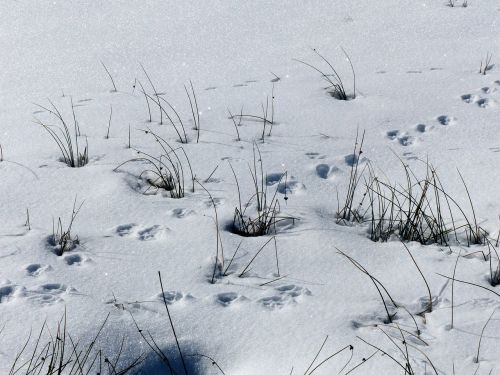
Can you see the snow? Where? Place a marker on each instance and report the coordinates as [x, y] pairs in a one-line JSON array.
[[419, 96]]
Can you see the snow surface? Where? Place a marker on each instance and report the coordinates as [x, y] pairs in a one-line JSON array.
[[419, 96]]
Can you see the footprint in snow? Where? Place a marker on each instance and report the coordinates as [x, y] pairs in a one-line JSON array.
[[422, 128], [274, 178], [36, 269], [229, 298], [403, 138], [489, 90], [217, 201], [125, 229], [469, 98], [410, 156], [141, 233], [49, 293], [8, 292], [148, 234], [286, 185], [315, 155], [181, 213], [446, 120], [285, 295], [291, 187], [352, 159], [76, 260], [326, 171], [481, 101], [485, 103], [392, 134], [173, 296]]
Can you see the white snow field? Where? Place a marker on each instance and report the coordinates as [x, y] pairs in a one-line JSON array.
[[420, 101]]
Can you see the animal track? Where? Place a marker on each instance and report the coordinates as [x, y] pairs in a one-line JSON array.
[[446, 120], [422, 128], [488, 90], [392, 134], [315, 155], [217, 201], [286, 295], [273, 302], [352, 159], [141, 233], [181, 213], [125, 229], [173, 296], [7, 292], [410, 156], [274, 178], [36, 269], [229, 298], [148, 234], [326, 171], [482, 101], [49, 293], [285, 185], [293, 291], [403, 138], [485, 103], [290, 187], [469, 98], [406, 140], [75, 260]]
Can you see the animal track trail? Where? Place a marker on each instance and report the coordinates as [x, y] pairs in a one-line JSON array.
[[141, 233]]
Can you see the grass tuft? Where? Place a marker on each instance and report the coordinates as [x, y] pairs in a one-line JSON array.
[[419, 210], [62, 240], [59, 354], [71, 152], [165, 171], [335, 86], [265, 207]]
